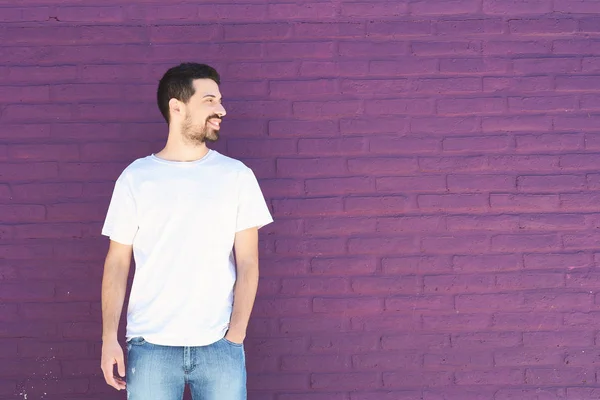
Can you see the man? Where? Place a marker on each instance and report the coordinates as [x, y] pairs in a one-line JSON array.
[[191, 217]]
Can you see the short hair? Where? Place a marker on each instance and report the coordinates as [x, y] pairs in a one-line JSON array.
[[177, 83]]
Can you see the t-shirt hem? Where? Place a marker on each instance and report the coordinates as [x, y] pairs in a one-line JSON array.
[[196, 342], [254, 225]]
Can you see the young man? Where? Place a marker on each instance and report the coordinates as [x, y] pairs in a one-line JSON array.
[[191, 217]]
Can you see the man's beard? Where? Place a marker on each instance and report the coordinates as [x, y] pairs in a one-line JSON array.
[[199, 134]]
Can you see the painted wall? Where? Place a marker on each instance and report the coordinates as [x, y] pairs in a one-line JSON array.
[[433, 167]]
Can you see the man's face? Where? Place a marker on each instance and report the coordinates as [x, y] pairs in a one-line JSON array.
[[204, 112]]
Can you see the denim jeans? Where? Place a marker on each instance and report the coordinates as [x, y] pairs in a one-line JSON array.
[[213, 372]]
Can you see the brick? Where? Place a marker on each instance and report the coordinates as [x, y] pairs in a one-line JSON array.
[[329, 225], [549, 65], [516, 124], [404, 184], [569, 260], [480, 183], [444, 125], [520, 47], [455, 7], [386, 323], [582, 357], [40, 311], [590, 64], [279, 381], [307, 207], [446, 85], [294, 89], [450, 360], [360, 342], [343, 266], [395, 30], [421, 303], [557, 339], [527, 321], [550, 142], [23, 213], [559, 302], [409, 284], [410, 378], [552, 222], [312, 325], [558, 376], [452, 323], [450, 284], [268, 308], [52, 349], [90, 14], [539, 242], [315, 363], [404, 66], [445, 48], [551, 183], [388, 360], [299, 50], [271, 70], [362, 87], [320, 30], [514, 7], [25, 131], [546, 103], [253, 32], [37, 113], [46, 191], [310, 246], [399, 106], [409, 224], [28, 329], [578, 201], [345, 381], [312, 396], [340, 186], [581, 7], [310, 167], [582, 393], [445, 202], [493, 301], [458, 223], [590, 102], [496, 376], [348, 306], [384, 9], [32, 367], [320, 69], [381, 165], [298, 128], [350, 146], [470, 106], [381, 245], [410, 341], [29, 14], [25, 94], [575, 46], [326, 109], [577, 279], [49, 152], [515, 394], [453, 164], [459, 393], [371, 49], [524, 162], [415, 264], [483, 340], [76, 212], [539, 26], [280, 187], [454, 243], [527, 357], [312, 286], [580, 241], [469, 26], [530, 281], [576, 83], [487, 263], [301, 11], [518, 84], [524, 202], [474, 65], [353, 126]]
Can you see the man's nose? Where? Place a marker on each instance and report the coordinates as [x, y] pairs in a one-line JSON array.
[[220, 111]]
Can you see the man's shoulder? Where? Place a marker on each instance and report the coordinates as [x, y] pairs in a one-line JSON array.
[[229, 163]]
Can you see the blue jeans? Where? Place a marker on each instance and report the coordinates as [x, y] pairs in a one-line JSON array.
[[213, 372]]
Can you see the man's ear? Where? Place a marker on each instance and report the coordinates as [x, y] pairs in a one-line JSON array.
[[175, 107]]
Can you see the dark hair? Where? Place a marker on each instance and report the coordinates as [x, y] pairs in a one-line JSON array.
[[177, 83]]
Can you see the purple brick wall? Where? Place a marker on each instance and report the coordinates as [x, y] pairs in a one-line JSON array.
[[433, 167]]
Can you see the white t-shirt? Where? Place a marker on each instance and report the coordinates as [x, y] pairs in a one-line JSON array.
[[181, 218]]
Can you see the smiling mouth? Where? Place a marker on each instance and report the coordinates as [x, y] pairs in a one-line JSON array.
[[215, 123]]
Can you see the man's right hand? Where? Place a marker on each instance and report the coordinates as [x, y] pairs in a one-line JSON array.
[[112, 354]]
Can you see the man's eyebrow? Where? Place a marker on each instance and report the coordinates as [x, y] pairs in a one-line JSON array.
[[210, 95]]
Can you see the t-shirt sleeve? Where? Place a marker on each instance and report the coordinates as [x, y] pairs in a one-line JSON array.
[[121, 223], [252, 208]]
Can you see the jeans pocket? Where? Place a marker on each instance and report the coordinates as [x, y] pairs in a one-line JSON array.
[[229, 342], [136, 341]]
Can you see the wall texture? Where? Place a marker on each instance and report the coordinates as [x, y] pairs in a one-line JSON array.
[[433, 167]]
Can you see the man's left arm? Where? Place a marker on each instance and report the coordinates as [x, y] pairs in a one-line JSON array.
[[246, 285]]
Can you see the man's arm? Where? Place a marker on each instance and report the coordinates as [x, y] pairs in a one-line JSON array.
[[246, 285], [114, 286]]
